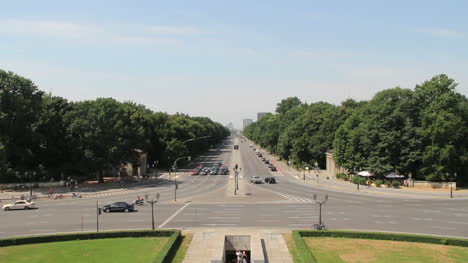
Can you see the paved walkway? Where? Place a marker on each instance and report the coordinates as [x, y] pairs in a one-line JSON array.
[[207, 245], [323, 181]]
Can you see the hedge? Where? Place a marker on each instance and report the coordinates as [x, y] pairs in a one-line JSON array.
[[302, 249], [166, 254], [385, 236]]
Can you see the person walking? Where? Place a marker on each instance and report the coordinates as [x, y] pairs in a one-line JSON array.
[[239, 256], [244, 257]]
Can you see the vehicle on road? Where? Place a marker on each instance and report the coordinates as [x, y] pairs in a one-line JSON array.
[[205, 171], [263, 159], [20, 204], [250, 145], [266, 161], [259, 155], [223, 170], [118, 207], [214, 170], [272, 168], [256, 179], [270, 180]]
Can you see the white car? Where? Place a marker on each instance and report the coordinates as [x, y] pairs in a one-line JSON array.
[[256, 179], [20, 204]]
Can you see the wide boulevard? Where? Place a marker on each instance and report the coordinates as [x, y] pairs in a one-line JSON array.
[[206, 201]]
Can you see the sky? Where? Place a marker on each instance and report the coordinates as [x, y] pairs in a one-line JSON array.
[[228, 60]]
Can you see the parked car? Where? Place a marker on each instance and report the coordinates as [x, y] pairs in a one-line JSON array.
[[270, 180], [256, 179], [223, 170], [250, 145], [205, 171], [273, 168], [266, 161], [263, 159], [118, 207], [196, 171], [214, 170], [20, 204]]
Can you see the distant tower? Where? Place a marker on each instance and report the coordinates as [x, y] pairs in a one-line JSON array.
[[247, 122], [261, 115]]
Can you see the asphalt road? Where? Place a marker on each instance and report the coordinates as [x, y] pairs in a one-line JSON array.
[[203, 202]]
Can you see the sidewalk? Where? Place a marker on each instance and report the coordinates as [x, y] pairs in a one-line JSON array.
[[208, 245], [85, 190], [345, 186]]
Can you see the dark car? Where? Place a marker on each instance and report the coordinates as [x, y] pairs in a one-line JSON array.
[[118, 207], [266, 161], [263, 159], [270, 180], [223, 170], [214, 170], [273, 168]]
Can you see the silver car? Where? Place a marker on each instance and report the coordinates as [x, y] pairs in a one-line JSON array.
[[256, 179]]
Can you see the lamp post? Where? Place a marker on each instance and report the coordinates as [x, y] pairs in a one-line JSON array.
[[152, 202], [306, 168], [454, 175], [320, 226], [317, 171]]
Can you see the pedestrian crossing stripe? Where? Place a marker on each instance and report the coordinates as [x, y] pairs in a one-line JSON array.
[[296, 198]]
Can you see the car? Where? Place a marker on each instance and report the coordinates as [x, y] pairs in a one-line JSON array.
[[254, 149], [270, 165], [266, 161], [223, 170], [118, 207], [214, 170], [20, 204], [256, 179], [270, 180], [263, 159], [273, 168], [250, 145], [200, 166], [205, 171], [195, 171]]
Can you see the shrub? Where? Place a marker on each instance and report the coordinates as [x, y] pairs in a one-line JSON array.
[[362, 180], [387, 183], [355, 180], [342, 176], [396, 184], [378, 182]]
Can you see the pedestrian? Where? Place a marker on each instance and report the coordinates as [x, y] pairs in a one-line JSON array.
[[239, 256], [244, 257], [51, 191]]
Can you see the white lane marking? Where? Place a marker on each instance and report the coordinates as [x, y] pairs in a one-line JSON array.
[[442, 227], [267, 221], [454, 222], [292, 217], [220, 224], [135, 220], [174, 215], [223, 217]]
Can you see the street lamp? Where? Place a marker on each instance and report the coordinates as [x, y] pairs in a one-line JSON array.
[[317, 171], [152, 202], [306, 168], [174, 167], [320, 226]]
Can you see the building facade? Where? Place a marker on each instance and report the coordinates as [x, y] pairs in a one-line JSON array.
[[261, 115], [246, 122]]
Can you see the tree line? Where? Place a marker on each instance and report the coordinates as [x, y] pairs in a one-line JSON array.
[[47, 136], [421, 131]]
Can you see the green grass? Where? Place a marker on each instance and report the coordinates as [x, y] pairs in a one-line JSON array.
[[330, 249], [112, 250]]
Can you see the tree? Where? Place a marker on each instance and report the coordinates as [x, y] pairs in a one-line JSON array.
[[20, 105], [287, 104]]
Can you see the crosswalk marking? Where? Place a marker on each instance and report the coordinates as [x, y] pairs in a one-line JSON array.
[[295, 198]]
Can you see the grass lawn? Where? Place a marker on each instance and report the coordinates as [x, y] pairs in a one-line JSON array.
[[143, 249], [326, 249]]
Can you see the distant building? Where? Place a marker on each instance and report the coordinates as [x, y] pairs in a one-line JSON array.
[[247, 122], [261, 115]]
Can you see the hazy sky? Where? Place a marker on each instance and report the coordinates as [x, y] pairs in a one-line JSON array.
[[229, 60]]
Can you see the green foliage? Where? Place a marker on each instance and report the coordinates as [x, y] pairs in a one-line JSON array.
[[396, 184], [51, 137], [342, 176], [378, 182], [304, 253]]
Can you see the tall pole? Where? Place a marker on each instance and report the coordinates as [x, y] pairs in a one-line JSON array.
[[320, 213], [152, 215], [97, 216], [175, 185]]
